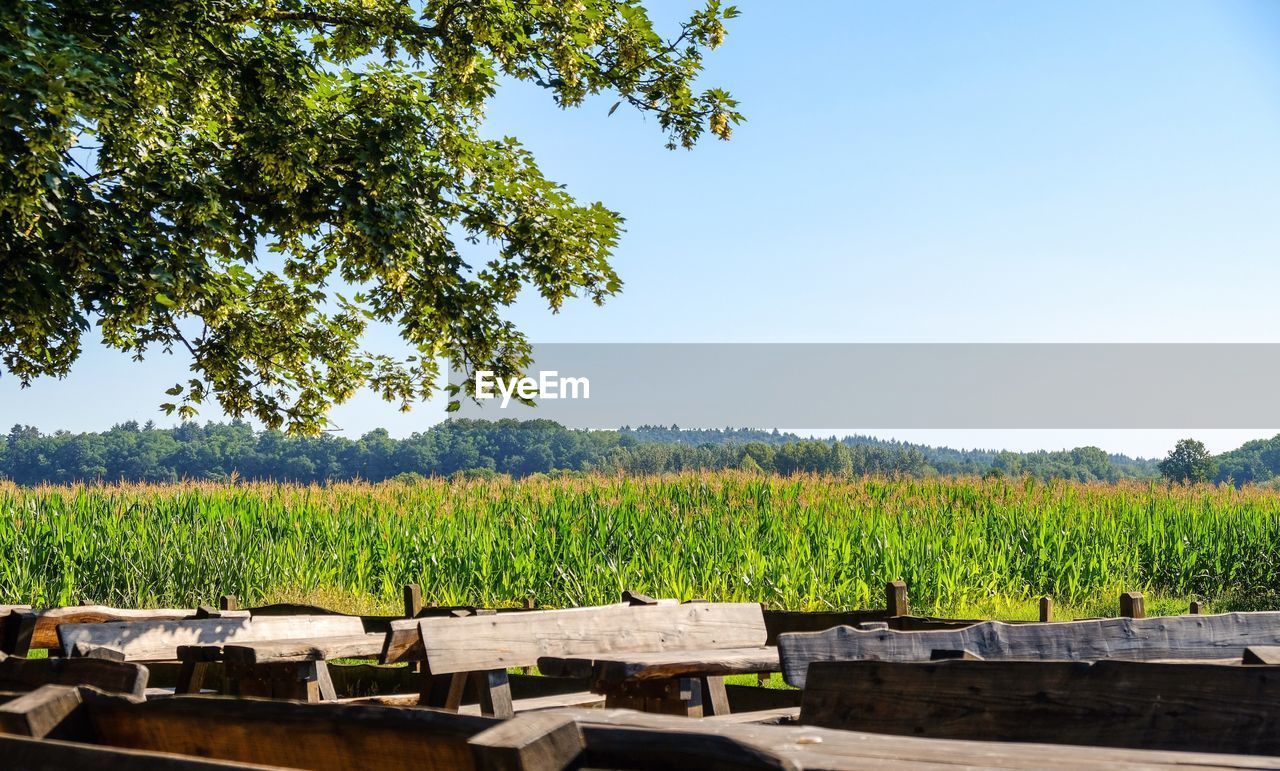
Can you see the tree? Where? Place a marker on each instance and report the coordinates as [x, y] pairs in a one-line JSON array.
[[1189, 461], [252, 182]]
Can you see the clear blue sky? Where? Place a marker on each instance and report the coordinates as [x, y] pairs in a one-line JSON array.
[[909, 171]]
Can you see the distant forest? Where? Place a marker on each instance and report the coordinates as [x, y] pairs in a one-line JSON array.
[[219, 451]]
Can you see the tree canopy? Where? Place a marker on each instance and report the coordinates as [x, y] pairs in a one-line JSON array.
[[1189, 461], [210, 176]]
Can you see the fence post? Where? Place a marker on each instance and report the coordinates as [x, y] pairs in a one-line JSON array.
[[228, 602], [1132, 605], [895, 595], [1195, 608], [412, 600], [1046, 608]]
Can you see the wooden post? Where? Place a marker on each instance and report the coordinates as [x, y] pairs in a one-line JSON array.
[[1132, 605], [412, 600], [412, 607], [228, 602], [1046, 609], [895, 593], [1195, 608]]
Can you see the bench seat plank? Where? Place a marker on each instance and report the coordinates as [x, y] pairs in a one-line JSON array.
[[1138, 639], [551, 701], [29, 630], [160, 640], [306, 649], [610, 669], [519, 639], [621, 738]]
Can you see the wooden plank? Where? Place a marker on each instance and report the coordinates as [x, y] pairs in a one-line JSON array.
[[404, 640], [38, 630], [520, 639], [159, 640], [1165, 637], [403, 643], [20, 752], [1139, 705], [550, 701], [774, 716], [292, 734], [20, 674], [532, 742], [606, 670], [1262, 654], [87, 651], [41, 712], [623, 739], [786, 621], [306, 649]]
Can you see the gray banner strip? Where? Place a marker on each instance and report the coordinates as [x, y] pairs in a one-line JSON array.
[[874, 386]]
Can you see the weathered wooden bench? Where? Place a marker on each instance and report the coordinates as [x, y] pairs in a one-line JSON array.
[[1198, 637], [26, 630], [1202, 707], [200, 643], [101, 731], [482, 648], [278, 668], [19, 674]]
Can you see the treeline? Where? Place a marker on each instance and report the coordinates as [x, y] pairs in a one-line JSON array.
[[1257, 461], [219, 451]]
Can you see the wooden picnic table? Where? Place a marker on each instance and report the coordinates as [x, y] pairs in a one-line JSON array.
[[684, 682]]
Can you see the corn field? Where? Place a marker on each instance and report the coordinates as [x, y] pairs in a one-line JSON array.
[[800, 542]]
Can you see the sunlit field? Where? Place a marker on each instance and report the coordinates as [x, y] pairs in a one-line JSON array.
[[966, 547]]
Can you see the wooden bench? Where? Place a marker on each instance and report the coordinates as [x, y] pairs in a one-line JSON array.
[[1200, 707], [279, 668], [22, 674], [199, 644], [1221, 637], [26, 630], [482, 648]]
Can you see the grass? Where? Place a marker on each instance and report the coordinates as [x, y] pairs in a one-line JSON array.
[[967, 547]]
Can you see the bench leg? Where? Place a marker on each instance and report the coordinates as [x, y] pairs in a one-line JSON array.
[[312, 682], [494, 691], [442, 691], [191, 676], [715, 699]]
